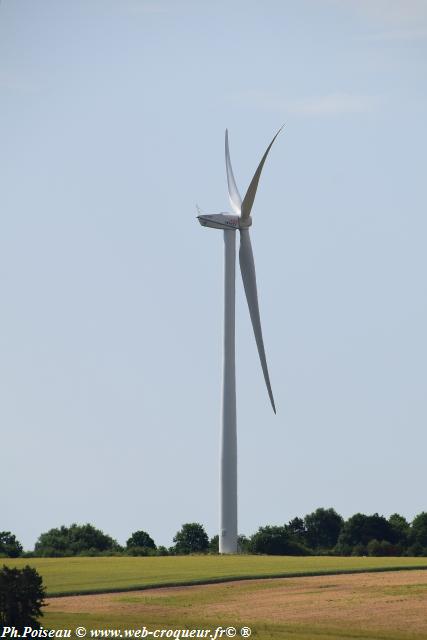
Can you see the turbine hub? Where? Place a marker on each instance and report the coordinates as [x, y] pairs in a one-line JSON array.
[[245, 223]]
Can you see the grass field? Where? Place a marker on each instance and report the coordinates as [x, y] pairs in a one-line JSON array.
[[369, 606], [89, 575]]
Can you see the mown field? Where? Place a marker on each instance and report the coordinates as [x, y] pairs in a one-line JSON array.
[[89, 575], [370, 606]]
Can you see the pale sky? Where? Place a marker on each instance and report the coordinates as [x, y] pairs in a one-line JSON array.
[[112, 129]]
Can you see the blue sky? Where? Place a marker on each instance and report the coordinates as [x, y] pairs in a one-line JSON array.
[[112, 129]]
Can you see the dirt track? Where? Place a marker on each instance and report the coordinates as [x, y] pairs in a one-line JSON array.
[[392, 601]]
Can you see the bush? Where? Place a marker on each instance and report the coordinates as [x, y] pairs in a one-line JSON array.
[[276, 541], [242, 544], [358, 550], [416, 550], [49, 552], [342, 549], [378, 548], [162, 551], [74, 540], [141, 551], [21, 598]]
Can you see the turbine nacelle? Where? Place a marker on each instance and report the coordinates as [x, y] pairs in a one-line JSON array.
[[224, 221], [219, 221]]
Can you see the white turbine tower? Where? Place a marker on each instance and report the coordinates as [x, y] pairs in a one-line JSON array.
[[230, 223]]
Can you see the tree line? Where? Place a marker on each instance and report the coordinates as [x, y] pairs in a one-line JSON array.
[[323, 532]]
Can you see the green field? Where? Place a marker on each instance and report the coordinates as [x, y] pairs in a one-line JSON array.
[[388, 605], [90, 575]]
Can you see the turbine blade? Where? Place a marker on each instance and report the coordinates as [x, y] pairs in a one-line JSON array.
[[251, 192], [247, 267], [233, 192]]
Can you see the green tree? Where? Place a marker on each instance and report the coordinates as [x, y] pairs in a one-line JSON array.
[[296, 528], [323, 527], [242, 544], [74, 540], [140, 539], [418, 534], [276, 541], [21, 598], [360, 529], [214, 544], [192, 538], [401, 527], [9, 545]]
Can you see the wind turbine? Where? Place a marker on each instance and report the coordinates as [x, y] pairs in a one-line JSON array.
[[230, 224]]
